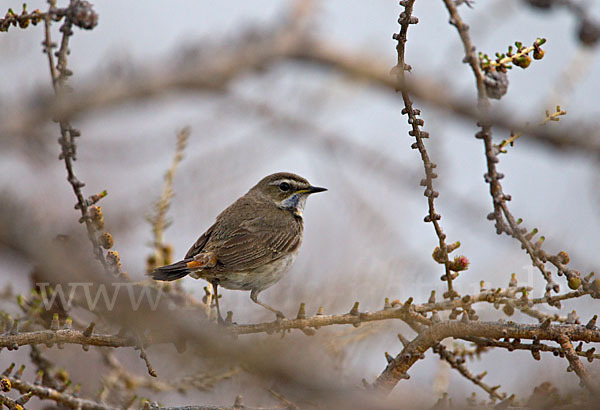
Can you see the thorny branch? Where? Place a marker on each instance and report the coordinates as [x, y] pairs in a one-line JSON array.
[[406, 19], [47, 393], [71, 336], [464, 329], [534, 347], [81, 14], [407, 312], [257, 54], [119, 375], [500, 199], [576, 366], [501, 211], [238, 405], [458, 364]]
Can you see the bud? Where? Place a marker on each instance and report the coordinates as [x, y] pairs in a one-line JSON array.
[[453, 246], [83, 15], [522, 61], [61, 375], [508, 310], [106, 240], [114, 260], [574, 282], [97, 217], [5, 385], [459, 263], [438, 255], [564, 257]]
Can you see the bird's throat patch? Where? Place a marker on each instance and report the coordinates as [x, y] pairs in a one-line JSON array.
[[294, 203]]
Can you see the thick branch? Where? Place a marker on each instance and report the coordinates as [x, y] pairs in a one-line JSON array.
[[63, 336], [353, 318], [406, 312], [397, 368]]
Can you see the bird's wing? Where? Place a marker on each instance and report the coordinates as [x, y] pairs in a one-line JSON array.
[[200, 243], [254, 244]]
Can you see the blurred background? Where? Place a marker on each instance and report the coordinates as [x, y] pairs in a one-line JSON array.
[[365, 238]]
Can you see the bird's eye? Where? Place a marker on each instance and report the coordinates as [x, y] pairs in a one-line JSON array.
[[284, 186]]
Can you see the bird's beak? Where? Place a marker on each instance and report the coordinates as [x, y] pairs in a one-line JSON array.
[[315, 189]]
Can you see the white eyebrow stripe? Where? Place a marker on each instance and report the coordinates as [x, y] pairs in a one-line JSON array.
[[279, 181]]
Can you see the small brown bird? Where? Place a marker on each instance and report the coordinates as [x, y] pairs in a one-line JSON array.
[[253, 242]]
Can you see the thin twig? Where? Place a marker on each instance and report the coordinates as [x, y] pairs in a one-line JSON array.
[[576, 366], [405, 20], [47, 393], [59, 75], [159, 220], [459, 365], [533, 347]]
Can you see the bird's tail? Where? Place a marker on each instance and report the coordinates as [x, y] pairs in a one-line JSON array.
[[173, 271]]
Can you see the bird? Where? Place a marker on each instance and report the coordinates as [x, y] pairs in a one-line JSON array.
[[252, 243]]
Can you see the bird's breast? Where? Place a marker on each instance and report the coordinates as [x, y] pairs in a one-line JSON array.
[[259, 278]]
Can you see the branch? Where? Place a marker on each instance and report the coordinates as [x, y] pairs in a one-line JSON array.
[[81, 15], [238, 405], [9, 403], [121, 377], [355, 318], [493, 177], [49, 337], [576, 366], [427, 338], [162, 253], [59, 74], [407, 311], [458, 364], [535, 347], [47, 393], [441, 253], [253, 53]]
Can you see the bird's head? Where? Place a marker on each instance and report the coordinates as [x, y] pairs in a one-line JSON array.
[[286, 190]]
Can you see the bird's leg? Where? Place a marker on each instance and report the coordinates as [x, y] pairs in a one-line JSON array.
[[216, 297], [254, 296]]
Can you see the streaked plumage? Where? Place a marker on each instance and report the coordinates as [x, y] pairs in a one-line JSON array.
[[253, 242]]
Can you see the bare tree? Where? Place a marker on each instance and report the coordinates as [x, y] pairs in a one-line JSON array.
[[81, 299]]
